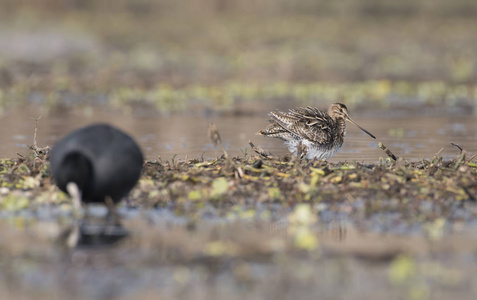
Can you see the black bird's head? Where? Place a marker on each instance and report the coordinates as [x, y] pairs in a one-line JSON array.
[[76, 168]]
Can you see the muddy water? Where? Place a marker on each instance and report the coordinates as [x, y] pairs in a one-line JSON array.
[[408, 134], [361, 258], [353, 265]]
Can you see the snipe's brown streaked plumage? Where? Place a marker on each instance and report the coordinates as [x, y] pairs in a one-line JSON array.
[[321, 133]]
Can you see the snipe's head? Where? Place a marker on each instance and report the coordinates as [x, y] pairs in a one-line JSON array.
[[340, 111]]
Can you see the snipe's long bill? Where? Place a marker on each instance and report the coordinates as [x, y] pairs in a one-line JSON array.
[[320, 133], [369, 133]]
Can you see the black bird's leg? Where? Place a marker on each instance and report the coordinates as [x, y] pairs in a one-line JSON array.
[[112, 216], [75, 194]]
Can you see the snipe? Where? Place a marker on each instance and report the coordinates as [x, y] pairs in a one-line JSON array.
[[320, 133]]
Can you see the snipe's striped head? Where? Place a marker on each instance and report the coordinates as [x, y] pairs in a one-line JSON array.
[[338, 111]]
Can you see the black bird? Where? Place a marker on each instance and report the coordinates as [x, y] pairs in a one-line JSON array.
[[96, 163]]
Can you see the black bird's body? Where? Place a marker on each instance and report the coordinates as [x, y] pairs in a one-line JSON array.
[[100, 159]]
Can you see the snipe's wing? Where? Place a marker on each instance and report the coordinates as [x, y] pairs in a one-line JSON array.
[[304, 122]]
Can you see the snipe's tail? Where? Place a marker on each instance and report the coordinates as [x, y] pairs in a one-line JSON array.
[[275, 131]]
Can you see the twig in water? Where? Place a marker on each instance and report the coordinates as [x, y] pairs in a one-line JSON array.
[[39, 153], [35, 144], [471, 158], [259, 150], [387, 151], [461, 157], [457, 146], [214, 136], [439, 152]]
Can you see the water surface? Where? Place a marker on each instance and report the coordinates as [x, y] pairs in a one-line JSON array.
[[408, 134]]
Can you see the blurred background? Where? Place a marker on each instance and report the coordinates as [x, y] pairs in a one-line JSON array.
[[163, 69]]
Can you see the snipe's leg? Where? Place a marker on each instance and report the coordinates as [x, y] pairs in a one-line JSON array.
[[301, 150]]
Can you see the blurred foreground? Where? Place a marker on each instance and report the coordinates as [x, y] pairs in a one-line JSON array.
[[251, 227]]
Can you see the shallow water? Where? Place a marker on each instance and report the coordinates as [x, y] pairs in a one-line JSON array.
[[219, 252], [410, 134], [163, 260]]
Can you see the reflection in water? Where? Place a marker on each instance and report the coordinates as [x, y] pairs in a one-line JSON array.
[[219, 256], [336, 230], [99, 236], [411, 137], [102, 230]]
